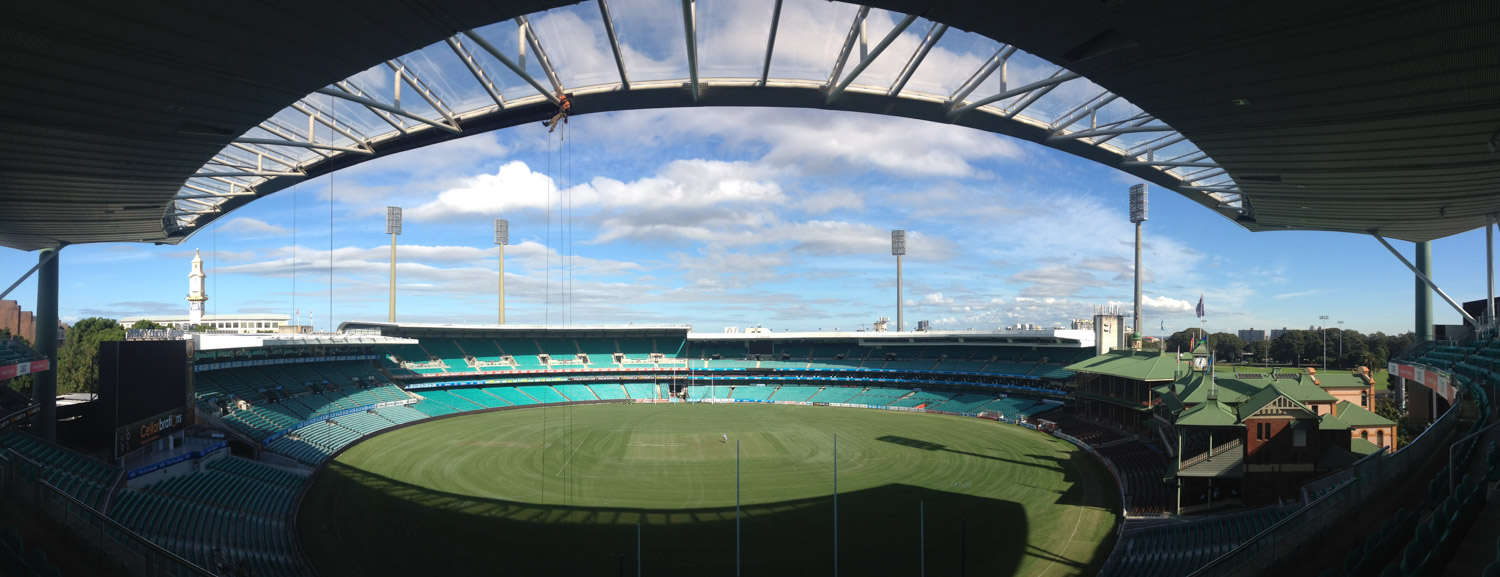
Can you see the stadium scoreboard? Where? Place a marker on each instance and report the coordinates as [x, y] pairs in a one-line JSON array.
[[143, 392]]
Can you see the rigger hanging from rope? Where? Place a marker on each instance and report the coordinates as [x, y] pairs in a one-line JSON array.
[[564, 107]]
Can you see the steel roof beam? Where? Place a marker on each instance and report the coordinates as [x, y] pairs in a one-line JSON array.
[[1109, 131], [838, 63], [479, 74], [765, 69], [401, 70], [375, 104], [511, 64], [1057, 78], [298, 144], [245, 174], [541, 55], [614, 41], [381, 111], [1425, 280], [982, 74], [1084, 109], [690, 31], [1168, 164], [933, 35], [870, 58], [265, 154]]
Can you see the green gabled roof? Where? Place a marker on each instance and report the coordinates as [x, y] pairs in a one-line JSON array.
[[1137, 365], [1231, 391], [1201, 349], [1303, 390], [1358, 416], [1265, 397], [1362, 447], [1210, 413], [1341, 380], [1332, 423]]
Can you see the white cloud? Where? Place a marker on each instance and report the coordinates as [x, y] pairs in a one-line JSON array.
[[1292, 295], [253, 228]]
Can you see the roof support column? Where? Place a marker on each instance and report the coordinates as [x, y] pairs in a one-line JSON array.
[[1489, 270], [1423, 301], [1425, 287], [44, 384]]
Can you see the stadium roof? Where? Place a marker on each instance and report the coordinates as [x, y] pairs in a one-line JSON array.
[[1137, 365], [146, 121]]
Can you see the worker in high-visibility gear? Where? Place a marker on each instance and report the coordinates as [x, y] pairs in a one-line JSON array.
[[564, 107]]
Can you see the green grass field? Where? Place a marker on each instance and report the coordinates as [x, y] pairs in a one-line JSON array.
[[565, 490]]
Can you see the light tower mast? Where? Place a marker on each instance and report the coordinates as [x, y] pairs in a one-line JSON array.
[[1137, 216], [502, 238], [393, 228], [197, 294], [898, 248]]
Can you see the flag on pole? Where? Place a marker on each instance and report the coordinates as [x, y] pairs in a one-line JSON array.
[[1200, 306], [1163, 325]]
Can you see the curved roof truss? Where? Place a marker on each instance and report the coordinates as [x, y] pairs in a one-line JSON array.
[[506, 74]]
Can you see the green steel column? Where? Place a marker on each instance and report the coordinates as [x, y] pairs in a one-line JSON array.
[[44, 384], [1424, 294]]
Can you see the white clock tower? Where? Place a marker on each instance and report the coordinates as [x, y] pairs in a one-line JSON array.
[[197, 295]]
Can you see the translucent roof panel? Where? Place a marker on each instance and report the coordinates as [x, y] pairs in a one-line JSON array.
[[809, 38], [949, 64], [652, 39], [732, 37], [577, 45], [882, 72], [437, 67], [505, 37]]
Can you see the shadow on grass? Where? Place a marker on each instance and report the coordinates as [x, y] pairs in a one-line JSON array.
[[353, 522], [930, 446]]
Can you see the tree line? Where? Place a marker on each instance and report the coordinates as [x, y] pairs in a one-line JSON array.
[[1301, 347], [77, 362]]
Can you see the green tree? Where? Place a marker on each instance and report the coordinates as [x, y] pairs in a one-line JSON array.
[[1260, 351], [21, 384], [78, 357], [147, 325], [1181, 340], [1288, 347], [1227, 348]]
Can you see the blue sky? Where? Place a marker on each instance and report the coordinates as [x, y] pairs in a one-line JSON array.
[[739, 217]]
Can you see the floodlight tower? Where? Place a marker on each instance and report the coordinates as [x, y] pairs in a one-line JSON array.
[[502, 238], [898, 248], [1137, 216], [393, 228]]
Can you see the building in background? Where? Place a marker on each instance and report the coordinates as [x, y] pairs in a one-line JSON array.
[[20, 322], [243, 323], [1252, 335]]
